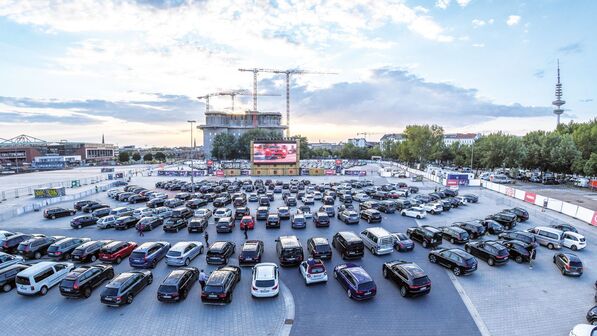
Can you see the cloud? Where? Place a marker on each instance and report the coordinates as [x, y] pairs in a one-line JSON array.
[[539, 73], [443, 4], [478, 45], [480, 23], [513, 20], [573, 48], [463, 3], [586, 100]]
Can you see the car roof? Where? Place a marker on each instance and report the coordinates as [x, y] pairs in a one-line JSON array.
[[378, 231], [174, 277], [349, 236], [37, 267], [218, 245], [289, 241], [459, 252], [146, 246], [265, 271], [320, 241], [180, 246], [413, 270], [251, 245], [121, 278], [359, 274], [217, 277], [571, 256]]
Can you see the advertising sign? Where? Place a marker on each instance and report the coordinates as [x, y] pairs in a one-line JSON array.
[[245, 172], [274, 153], [451, 182], [119, 175], [219, 172], [510, 191], [530, 197], [330, 172], [305, 171], [594, 221], [49, 192], [107, 170]]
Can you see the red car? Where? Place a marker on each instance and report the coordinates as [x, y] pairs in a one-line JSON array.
[[247, 221], [115, 251], [393, 194]]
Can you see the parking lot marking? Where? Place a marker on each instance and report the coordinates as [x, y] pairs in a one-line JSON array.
[[289, 305]]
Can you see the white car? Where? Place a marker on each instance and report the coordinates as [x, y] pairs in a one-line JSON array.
[[306, 214], [415, 212], [39, 278], [5, 234], [317, 196], [159, 195], [221, 213], [361, 197], [574, 241], [162, 212], [308, 199], [462, 200], [313, 271], [106, 222], [182, 253], [112, 192], [265, 280], [583, 330], [203, 213], [142, 212], [432, 208]]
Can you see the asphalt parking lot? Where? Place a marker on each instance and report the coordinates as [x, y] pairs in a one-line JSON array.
[[584, 197], [509, 300]]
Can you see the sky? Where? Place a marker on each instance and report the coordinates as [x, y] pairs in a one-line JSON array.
[[132, 70]]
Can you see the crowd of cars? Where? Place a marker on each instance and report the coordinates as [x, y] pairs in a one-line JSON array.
[[74, 270]]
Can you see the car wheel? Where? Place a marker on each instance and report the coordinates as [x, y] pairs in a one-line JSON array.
[[403, 291], [333, 243], [550, 246], [403, 213], [93, 258], [335, 275], [118, 260], [43, 291], [87, 292], [467, 249], [187, 262], [111, 275], [554, 261], [490, 262], [424, 244], [385, 273], [129, 299], [373, 251], [574, 248], [563, 271], [432, 212], [349, 294], [229, 299], [37, 255], [518, 259], [456, 270], [153, 263], [6, 288], [432, 259], [185, 293], [452, 240], [418, 217], [150, 280]]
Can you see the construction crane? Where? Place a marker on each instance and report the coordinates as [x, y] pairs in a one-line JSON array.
[[287, 73], [235, 93], [207, 96]]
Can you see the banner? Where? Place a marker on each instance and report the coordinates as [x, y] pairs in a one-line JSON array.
[[510, 191], [451, 182], [219, 172], [119, 175], [330, 172], [107, 170], [530, 197], [245, 172], [594, 221], [305, 171], [49, 192]]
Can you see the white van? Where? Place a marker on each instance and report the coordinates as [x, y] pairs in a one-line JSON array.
[[546, 236], [39, 278], [378, 240]]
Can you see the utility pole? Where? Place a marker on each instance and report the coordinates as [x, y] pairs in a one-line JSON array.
[[192, 122], [472, 155]]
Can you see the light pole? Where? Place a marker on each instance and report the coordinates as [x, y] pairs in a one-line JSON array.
[[191, 155], [472, 155]]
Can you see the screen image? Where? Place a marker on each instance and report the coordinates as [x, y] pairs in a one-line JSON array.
[[274, 153]]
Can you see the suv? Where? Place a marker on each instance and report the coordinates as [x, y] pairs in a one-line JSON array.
[[123, 289], [8, 276], [83, 220], [388, 207], [219, 252], [371, 216], [319, 247], [220, 285], [474, 228], [125, 222], [35, 248], [459, 261], [89, 251], [265, 280], [428, 236], [547, 236], [53, 213], [298, 221], [116, 251], [82, 280], [568, 264], [63, 249], [289, 250], [262, 213], [147, 255], [507, 219], [11, 243], [177, 284], [321, 219], [225, 224], [349, 245], [272, 221], [409, 277], [251, 253], [349, 216], [454, 234], [197, 224]]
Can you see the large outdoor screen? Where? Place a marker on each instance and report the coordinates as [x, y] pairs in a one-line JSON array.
[[274, 153]]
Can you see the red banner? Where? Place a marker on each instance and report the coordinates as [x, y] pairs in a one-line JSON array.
[[452, 182], [510, 191], [594, 221], [594, 184], [530, 197], [330, 172], [219, 172]]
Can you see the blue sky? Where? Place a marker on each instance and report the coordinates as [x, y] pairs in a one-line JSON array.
[[131, 69]]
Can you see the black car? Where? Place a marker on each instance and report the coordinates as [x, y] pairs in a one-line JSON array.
[[11, 244], [82, 280], [264, 201], [568, 263], [371, 216], [592, 316], [177, 284], [83, 220], [321, 219], [241, 211], [125, 222], [251, 253], [409, 277], [454, 234], [174, 224], [565, 227], [492, 227], [155, 203], [523, 236], [99, 213], [273, 221], [349, 245], [62, 249], [197, 224], [149, 223], [80, 204], [56, 212], [8, 276], [474, 228], [428, 236], [388, 207], [459, 261], [450, 192], [471, 198], [91, 207], [220, 285], [123, 289], [520, 251], [289, 251], [521, 213], [491, 251], [89, 251], [319, 247], [137, 199], [219, 252], [196, 203], [507, 219], [35, 247]]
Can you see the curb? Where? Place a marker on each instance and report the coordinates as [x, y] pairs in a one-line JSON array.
[[289, 305]]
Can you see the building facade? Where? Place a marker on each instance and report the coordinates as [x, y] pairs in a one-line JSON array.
[[237, 124], [462, 138], [388, 139]]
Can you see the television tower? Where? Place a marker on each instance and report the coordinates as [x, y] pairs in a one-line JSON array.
[[558, 102]]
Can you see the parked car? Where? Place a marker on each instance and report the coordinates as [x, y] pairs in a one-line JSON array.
[[546, 236], [378, 240], [7, 260], [507, 219], [492, 227], [272, 221], [251, 253], [220, 285], [319, 247], [149, 223], [8, 276], [177, 284], [409, 277], [248, 222], [348, 244], [35, 247], [106, 222], [454, 234], [125, 222], [289, 250], [356, 281], [474, 228], [203, 212], [523, 236], [321, 219], [520, 251], [88, 251], [573, 241], [415, 212], [371, 216], [11, 243], [39, 278], [148, 255], [197, 224], [115, 251], [56, 212], [349, 216], [520, 213], [565, 227], [457, 260], [123, 289], [568, 264], [265, 280], [225, 224], [491, 251], [219, 252], [313, 271], [175, 224], [81, 281], [62, 249], [182, 253], [427, 235], [402, 243]]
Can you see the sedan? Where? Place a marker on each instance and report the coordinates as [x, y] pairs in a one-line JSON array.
[[358, 283], [491, 251], [182, 253]]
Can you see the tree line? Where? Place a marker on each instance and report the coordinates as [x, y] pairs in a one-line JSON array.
[[126, 157]]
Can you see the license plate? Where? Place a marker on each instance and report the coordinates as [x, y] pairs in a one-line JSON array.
[[108, 299], [248, 259], [76, 257], [367, 293], [167, 296], [66, 289], [291, 259], [264, 291], [213, 296]]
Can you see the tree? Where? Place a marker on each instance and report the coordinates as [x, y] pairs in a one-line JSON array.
[[160, 156], [304, 150], [123, 157], [424, 142], [590, 168], [148, 157], [563, 153], [224, 147], [136, 156]]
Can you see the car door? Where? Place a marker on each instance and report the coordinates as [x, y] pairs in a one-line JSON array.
[[303, 268], [57, 272], [446, 259]]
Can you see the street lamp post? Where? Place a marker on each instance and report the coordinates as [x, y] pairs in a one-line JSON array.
[[472, 155], [191, 155]]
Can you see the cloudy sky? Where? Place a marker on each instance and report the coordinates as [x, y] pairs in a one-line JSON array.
[[132, 69]]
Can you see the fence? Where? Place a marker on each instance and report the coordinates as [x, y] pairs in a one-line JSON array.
[[28, 191]]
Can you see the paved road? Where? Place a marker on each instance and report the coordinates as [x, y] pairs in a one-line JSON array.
[[580, 196]]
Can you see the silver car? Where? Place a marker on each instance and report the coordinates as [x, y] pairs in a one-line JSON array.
[[8, 260], [182, 253], [106, 222]]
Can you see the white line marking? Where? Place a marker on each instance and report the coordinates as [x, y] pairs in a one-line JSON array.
[[289, 305]]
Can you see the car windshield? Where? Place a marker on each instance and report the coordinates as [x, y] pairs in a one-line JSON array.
[[213, 289], [576, 264], [365, 286], [316, 269], [265, 283], [322, 248], [292, 251], [470, 261], [249, 254], [421, 281], [53, 248]]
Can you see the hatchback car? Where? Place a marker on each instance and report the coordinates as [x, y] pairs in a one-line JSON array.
[[248, 222], [225, 224], [319, 248], [197, 224], [272, 221], [349, 216], [123, 289], [182, 253], [568, 264], [321, 219], [148, 255], [409, 277], [356, 281], [81, 281], [265, 280], [220, 285], [251, 253], [402, 243], [415, 212], [313, 271], [106, 222], [177, 284]]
